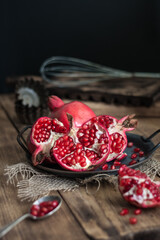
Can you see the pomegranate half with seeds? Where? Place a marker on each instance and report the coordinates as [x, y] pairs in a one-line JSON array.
[[43, 134], [117, 131], [83, 148], [137, 188]]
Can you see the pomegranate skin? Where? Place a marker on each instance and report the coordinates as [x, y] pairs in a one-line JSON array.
[[80, 112]]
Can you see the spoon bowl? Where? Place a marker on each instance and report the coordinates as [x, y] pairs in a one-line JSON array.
[[46, 199]]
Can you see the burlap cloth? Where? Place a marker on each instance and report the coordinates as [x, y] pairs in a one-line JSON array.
[[32, 184]]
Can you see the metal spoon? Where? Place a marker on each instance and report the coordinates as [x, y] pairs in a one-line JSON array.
[[9, 226]]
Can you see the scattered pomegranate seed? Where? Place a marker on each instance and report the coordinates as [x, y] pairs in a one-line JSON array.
[[137, 211], [141, 153], [124, 212], [134, 155], [130, 144], [132, 162], [117, 163], [133, 220], [136, 150], [105, 167]]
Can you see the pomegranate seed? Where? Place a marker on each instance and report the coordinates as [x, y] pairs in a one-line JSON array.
[[137, 211], [34, 213], [141, 153], [134, 155], [130, 144], [105, 167], [136, 150], [132, 162], [113, 167], [133, 220], [124, 212], [44, 209], [55, 203], [117, 163]]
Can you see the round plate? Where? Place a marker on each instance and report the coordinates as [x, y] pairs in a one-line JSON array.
[[145, 145]]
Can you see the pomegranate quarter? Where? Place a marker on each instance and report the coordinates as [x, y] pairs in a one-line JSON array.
[[137, 188]]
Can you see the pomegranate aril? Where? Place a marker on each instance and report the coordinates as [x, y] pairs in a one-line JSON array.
[[105, 167], [55, 203], [34, 213], [130, 144], [141, 153], [117, 163], [124, 212], [133, 220], [136, 150], [44, 209], [137, 211], [132, 162], [113, 167], [134, 155]]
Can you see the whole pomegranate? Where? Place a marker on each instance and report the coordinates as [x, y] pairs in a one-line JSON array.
[[77, 149], [137, 188], [117, 132], [78, 110]]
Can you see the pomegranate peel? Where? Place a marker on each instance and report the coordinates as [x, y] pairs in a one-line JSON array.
[[137, 188]]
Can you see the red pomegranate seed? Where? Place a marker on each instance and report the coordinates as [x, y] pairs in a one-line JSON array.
[[132, 162], [130, 144], [137, 211], [55, 203], [133, 220], [34, 212], [124, 212], [141, 153], [134, 155], [113, 167], [117, 163], [136, 150], [105, 167]]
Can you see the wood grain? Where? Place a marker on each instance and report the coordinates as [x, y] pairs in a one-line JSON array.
[[93, 215]]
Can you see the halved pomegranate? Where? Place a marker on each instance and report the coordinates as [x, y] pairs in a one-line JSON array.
[[79, 111], [117, 129], [43, 134], [84, 148], [137, 188]]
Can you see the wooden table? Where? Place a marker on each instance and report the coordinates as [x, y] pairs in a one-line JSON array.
[[82, 216]]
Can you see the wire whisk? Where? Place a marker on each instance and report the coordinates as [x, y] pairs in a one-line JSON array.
[[73, 72]]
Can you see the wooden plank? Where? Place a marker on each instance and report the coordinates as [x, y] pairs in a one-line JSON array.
[[12, 207]]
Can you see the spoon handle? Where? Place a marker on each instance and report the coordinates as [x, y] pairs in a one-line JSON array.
[[9, 226]]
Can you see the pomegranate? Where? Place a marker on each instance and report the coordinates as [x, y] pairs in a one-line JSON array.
[[42, 137], [84, 148], [137, 188], [79, 111], [117, 129]]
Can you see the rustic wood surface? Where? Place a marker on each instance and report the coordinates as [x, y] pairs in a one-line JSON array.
[[82, 215]]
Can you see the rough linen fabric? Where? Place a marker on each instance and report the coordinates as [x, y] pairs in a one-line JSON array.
[[33, 184]]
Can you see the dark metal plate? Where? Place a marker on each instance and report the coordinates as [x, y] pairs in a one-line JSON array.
[[145, 144]]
